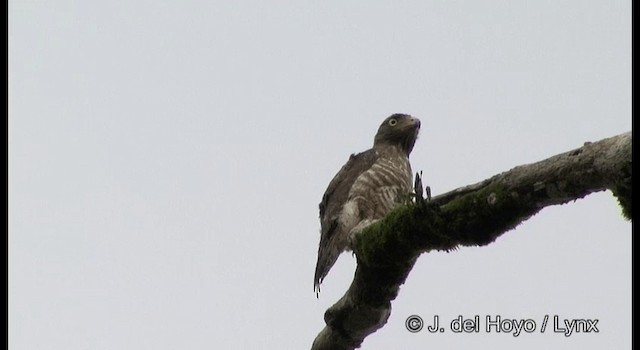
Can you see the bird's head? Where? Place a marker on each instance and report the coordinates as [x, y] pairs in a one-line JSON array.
[[398, 130]]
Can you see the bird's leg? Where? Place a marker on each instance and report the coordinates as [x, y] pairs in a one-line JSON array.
[[417, 187], [415, 196], [418, 191]]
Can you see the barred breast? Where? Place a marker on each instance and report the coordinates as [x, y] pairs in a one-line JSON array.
[[376, 191]]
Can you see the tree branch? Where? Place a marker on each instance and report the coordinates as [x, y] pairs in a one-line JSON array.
[[471, 215]]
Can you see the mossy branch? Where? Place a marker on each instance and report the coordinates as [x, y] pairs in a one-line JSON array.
[[472, 215]]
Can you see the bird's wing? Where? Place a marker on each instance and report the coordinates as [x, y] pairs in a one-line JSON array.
[[338, 190], [331, 205]]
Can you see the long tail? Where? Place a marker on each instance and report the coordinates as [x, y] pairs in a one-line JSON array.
[[326, 258]]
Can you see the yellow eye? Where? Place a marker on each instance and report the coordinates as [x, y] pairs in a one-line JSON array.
[[393, 122]]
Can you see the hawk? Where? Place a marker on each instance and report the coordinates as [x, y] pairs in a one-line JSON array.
[[365, 189]]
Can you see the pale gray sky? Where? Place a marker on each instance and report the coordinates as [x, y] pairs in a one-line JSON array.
[[166, 160]]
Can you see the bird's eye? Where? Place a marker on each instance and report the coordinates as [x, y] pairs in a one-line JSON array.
[[393, 122]]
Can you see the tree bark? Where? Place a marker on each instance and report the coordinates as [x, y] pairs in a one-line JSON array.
[[471, 215]]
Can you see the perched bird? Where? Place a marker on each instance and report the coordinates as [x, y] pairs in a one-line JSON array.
[[365, 189]]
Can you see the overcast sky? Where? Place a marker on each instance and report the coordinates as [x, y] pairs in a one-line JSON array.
[[166, 160]]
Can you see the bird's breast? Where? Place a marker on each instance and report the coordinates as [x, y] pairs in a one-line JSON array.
[[375, 192]]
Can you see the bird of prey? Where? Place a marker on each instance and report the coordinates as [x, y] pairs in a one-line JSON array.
[[366, 189]]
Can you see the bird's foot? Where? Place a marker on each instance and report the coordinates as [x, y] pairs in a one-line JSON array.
[[419, 193]]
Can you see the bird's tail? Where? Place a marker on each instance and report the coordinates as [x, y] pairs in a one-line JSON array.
[[326, 258]]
